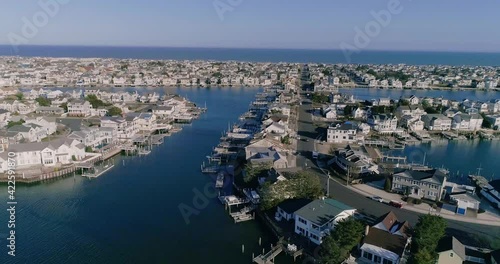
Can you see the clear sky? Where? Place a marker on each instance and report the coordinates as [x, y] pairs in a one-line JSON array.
[[454, 25]]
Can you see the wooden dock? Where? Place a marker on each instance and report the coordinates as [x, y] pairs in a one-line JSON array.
[[268, 258]]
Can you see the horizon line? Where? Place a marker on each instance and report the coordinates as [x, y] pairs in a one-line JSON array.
[[243, 48]]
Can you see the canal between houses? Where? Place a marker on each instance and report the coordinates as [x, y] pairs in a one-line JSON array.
[[131, 214]]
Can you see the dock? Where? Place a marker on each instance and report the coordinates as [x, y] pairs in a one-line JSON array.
[[98, 173], [268, 258]]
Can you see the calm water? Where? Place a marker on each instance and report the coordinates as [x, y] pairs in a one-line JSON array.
[[259, 55], [459, 157], [131, 215]]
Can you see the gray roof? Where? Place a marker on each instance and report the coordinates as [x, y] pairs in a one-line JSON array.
[[451, 243], [432, 175], [321, 212], [19, 128], [38, 146]]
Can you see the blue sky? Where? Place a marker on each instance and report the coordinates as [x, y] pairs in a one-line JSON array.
[[322, 24]]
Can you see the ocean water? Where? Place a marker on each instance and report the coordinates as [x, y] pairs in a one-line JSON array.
[[259, 55]]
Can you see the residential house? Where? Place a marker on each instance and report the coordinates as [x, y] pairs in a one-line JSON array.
[[4, 118], [494, 120], [286, 209], [316, 219], [437, 122], [344, 134], [79, 109], [451, 251], [383, 123], [163, 111], [387, 241], [48, 154], [49, 110], [465, 122], [354, 161], [427, 184]]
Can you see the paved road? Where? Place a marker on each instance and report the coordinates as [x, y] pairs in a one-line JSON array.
[[307, 131]]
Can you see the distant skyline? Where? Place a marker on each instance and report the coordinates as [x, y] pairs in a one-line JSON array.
[[425, 25]]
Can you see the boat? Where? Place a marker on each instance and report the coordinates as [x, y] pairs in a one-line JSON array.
[[220, 181]]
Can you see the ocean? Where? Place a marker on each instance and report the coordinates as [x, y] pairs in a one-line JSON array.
[[259, 55]]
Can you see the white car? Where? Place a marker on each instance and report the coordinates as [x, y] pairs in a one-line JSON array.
[[377, 198]]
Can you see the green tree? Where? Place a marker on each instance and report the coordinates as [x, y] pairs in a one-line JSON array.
[[286, 140], [341, 241], [64, 106], [388, 184], [94, 101], [254, 170], [428, 231], [88, 149], [42, 101], [298, 185], [12, 123], [114, 111], [486, 122], [19, 96]]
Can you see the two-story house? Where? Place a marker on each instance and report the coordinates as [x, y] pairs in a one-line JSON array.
[[427, 184], [315, 220]]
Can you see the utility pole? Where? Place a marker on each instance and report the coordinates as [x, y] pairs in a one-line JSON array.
[[328, 186]]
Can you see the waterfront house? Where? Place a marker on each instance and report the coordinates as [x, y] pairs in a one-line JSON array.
[[411, 110], [315, 220], [427, 184], [436, 122], [47, 154], [344, 134], [266, 155], [354, 161], [163, 111], [286, 209], [26, 133], [383, 123], [79, 108], [465, 122], [387, 241]]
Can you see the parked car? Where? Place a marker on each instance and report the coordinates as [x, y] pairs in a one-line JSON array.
[[377, 198], [396, 204]]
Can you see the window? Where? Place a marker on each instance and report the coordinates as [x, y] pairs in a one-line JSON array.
[[302, 221], [377, 259], [367, 255], [386, 261]]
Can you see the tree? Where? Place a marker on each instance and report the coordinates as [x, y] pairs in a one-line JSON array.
[[286, 140], [94, 101], [64, 106], [298, 185], [388, 184], [19, 96], [337, 246], [254, 170], [12, 123], [486, 122], [42, 101], [428, 231], [114, 111], [88, 149]]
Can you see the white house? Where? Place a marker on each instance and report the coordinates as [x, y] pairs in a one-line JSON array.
[[315, 220], [79, 109], [345, 133], [48, 154], [383, 123], [465, 122], [436, 122]]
